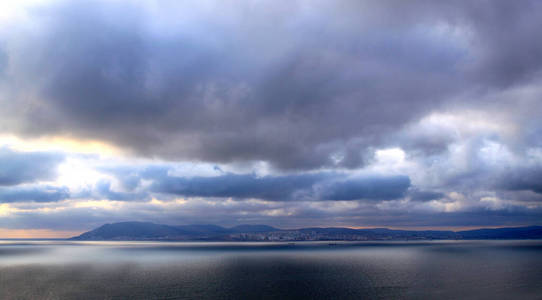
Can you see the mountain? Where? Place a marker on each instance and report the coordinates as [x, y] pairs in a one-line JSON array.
[[132, 231], [151, 231], [195, 232], [531, 232]]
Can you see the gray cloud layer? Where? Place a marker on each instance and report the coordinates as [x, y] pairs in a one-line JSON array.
[[293, 187], [296, 84], [25, 167], [33, 193]]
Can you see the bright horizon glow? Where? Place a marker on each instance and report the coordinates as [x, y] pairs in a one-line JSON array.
[[36, 234], [58, 143]]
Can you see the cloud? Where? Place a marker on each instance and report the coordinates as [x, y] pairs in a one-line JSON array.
[[33, 193], [238, 186], [375, 188], [3, 62], [322, 83], [522, 179], [103, 190], [421, 195], [313, 186], [26, 167]]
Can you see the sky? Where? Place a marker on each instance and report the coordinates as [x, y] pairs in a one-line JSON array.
[[418, 114]]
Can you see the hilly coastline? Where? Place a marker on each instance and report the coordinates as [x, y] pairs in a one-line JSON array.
[[143, 231]]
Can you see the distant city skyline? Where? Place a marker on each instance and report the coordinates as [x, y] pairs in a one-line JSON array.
[[359, 114]]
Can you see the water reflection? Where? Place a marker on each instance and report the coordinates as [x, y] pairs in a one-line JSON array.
[[101, 270]]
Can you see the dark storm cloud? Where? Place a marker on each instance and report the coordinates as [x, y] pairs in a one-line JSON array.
[[422, 195], [318, 186], [508, 52], [239, 186], [24, 167], [33, 193], [287, 187], [377, 188], [522, 179], [300, 86]]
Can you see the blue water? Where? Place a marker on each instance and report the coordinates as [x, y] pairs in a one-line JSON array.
[[306, 270]]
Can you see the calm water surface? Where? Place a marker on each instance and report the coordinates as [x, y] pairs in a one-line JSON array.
[[370, 270]]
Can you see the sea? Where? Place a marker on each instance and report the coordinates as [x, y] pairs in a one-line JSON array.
[[56, 269]]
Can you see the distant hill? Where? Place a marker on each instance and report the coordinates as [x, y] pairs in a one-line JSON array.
[[196, 232], [131, 231], [532, 232], [151, 231]]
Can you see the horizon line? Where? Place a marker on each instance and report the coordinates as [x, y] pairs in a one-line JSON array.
[[23, 234]]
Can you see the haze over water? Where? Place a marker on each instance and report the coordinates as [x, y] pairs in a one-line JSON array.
[[311, 270]]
